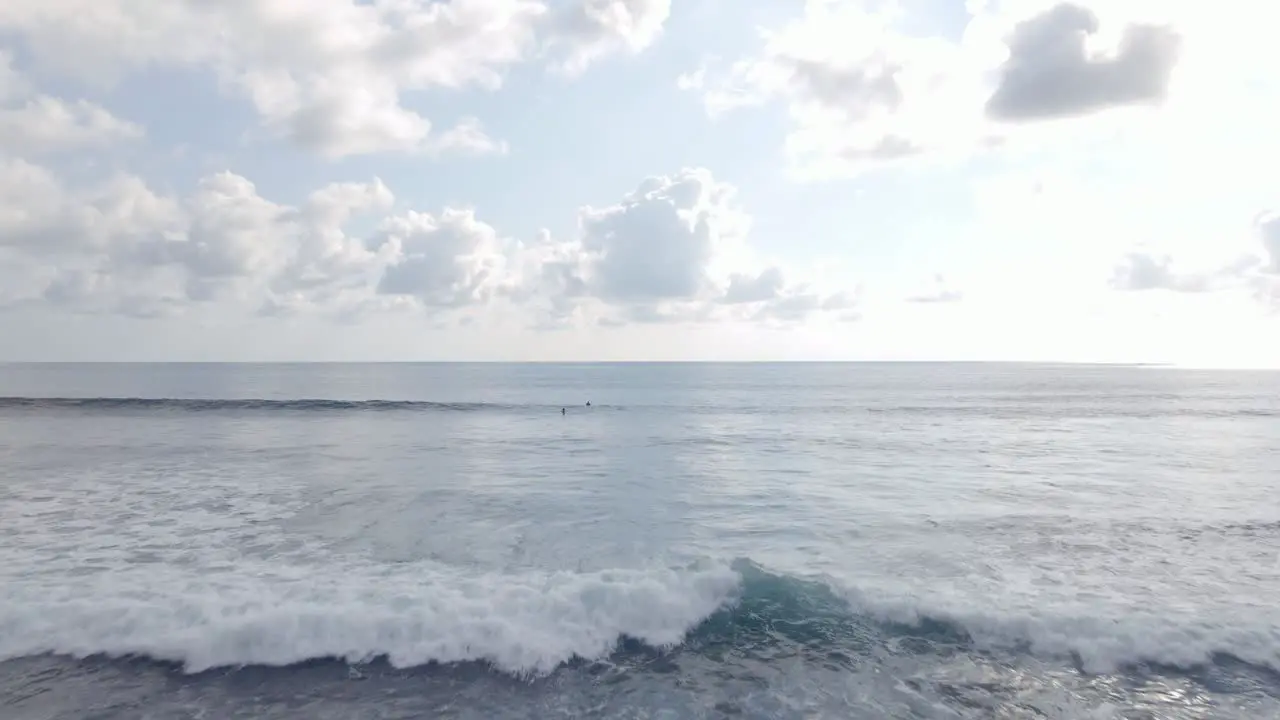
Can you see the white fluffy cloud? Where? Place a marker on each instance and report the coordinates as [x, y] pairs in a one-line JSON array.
[[1256, 273], [1050, 71], [659, 243], [448, 261], [36, 124], [1269, 229], [120, 247], [861, 91], [673, 250], [65, 245], [81, 230], [1144, 271], [44, 125], [333, 75], [1267, 282], [592, 29], [40, 216], [857, 91]]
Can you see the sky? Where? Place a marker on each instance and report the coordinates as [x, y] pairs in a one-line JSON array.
[[514, 180]]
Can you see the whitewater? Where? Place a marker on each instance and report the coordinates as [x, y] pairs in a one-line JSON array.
[[858, 540]]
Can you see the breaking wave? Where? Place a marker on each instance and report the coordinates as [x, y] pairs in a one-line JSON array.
[[531, 624]]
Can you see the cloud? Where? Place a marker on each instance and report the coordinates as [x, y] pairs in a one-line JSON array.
[[650, 256], [233, 238], [858, 92], [95, 291], [940, 292], [337, 87], [546, 277], [658, 243], [45, 125], [673, 250], [1269, 232], [12, 83], [1142, 271], [72, 247], [1256, 272], [745, 288], [118, 247], [324, 266], [33, 124], [468, 138], [799, 303], [695, 80], [1266, 283], [593, 29], [863, 91], [332, 75], [1050, 72], [41, 217], [449, 261]]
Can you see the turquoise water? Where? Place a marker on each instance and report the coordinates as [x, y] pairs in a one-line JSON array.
[[860, 540]]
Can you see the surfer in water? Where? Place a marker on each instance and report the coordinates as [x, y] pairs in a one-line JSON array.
[[561, 411], [588, 403]]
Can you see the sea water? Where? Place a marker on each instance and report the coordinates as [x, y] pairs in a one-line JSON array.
[[702, 541]]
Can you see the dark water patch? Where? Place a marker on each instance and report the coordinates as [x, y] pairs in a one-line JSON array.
[[777, 616], [1224, 673]]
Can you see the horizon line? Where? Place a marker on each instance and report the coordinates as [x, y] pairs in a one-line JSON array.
[[803, 361]]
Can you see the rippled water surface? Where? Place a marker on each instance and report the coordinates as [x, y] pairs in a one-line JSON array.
[[703, 541]]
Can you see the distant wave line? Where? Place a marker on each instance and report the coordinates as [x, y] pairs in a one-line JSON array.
[[259, 404], [1013, 409]]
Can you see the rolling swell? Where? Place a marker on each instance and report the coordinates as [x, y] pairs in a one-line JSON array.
[[532, 626], [119, 404]]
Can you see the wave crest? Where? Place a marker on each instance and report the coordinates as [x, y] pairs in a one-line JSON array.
[[528, 625], [520, 625], [1102, 643]]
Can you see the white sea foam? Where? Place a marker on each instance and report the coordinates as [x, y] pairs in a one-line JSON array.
[[197, 567], [522, 624], [1102, 642]]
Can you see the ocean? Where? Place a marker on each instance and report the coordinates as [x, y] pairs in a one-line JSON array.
[[859, 540]]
